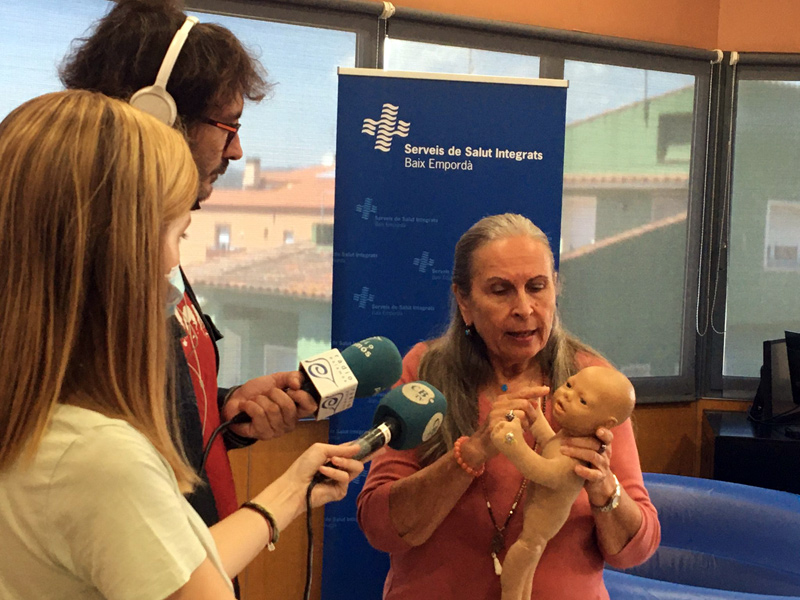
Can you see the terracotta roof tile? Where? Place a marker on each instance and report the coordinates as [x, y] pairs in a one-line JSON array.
[[302, 270]]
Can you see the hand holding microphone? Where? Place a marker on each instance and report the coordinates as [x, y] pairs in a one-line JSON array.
[[326, 384], [405, 418]]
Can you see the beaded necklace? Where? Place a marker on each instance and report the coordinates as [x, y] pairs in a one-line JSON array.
[[499, 537]]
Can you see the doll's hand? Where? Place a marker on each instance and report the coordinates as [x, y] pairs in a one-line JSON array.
[[523, 406]]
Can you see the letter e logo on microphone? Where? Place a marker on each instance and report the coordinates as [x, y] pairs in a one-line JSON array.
[[333, 381], [418, 393], [332, 402]]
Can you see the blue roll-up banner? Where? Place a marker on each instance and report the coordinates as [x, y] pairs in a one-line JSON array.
[[420, 157]]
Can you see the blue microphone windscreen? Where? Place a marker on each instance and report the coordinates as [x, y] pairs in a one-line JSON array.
[[376, 364], [417, 407]]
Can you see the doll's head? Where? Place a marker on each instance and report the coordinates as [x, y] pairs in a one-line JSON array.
[[593, 397]]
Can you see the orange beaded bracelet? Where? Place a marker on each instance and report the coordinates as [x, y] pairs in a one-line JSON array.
[[460, 461]]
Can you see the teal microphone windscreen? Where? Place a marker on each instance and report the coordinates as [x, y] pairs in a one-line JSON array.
[[376, 364], [415, 411]]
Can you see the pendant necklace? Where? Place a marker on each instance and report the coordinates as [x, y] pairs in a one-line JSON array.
[[499, 537]]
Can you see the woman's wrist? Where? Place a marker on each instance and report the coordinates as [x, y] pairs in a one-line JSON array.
[[285, 499], [469, 458], [609, 499], [274, 530]]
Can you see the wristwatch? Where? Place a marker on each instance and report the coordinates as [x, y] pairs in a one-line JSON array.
[[613, 502]]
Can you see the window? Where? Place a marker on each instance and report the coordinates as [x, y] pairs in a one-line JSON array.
[[674, 137], [630, 208], [283, 183], [279, 358], [404, 55], [762, 276], [222, 236], [624, 214], [629, 231], [35, 35], [323, 234], [782, 236]]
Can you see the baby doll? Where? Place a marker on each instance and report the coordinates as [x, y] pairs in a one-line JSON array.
[[594, 397]]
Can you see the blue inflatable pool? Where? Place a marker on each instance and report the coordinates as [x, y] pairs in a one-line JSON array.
[[719, 540]]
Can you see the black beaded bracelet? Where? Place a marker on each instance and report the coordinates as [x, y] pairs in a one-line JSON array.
[[269, 518]]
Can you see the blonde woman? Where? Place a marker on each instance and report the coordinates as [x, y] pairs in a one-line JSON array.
[[94, 196]]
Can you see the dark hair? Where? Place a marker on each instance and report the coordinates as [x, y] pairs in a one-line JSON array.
[[126, 48]]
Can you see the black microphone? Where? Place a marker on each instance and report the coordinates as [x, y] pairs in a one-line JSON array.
[[335, 378]]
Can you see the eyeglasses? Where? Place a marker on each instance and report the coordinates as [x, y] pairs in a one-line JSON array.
[[231, 128]]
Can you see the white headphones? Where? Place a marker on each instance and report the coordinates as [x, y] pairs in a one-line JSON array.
[[155, 99]]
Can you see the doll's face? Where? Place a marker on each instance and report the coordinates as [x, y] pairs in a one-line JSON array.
[[593, 397]]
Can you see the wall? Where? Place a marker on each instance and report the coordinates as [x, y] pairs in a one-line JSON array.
[[670, 436], [763, 26], [280, 574], [679, 22], [741, 25]]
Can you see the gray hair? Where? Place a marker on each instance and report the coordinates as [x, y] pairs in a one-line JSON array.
[[458, 364]]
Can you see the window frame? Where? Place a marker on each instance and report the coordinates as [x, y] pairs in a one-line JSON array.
[[553, 49], [752, 66], [713, 138]]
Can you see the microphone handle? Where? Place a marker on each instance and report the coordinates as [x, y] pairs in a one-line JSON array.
[[306, 386], [371, 441]]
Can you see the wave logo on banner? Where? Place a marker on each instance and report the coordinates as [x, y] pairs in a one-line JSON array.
[[386, 127], [366, 208], [423, 262], [363, 297]]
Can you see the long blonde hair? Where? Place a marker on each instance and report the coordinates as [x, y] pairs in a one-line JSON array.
[[458, 364], [87, 186]]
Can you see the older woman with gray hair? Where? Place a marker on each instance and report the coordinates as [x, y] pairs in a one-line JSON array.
[[447, 511]]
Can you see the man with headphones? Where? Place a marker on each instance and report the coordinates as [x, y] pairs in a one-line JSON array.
[[194, 76]]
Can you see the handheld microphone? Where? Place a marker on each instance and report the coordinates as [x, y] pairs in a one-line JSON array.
[[405, 418], [335, 378]]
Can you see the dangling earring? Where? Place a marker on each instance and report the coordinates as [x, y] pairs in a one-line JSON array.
[[468, 330]]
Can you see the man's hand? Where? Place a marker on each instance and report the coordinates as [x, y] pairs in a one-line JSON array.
[[274, 403]]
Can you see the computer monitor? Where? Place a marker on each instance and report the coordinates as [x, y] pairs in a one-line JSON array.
[[777, 399], [793, 355]]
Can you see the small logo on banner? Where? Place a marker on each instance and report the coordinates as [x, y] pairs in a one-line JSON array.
[[386, 127], [366, 208], [423, 262], [363, 297]]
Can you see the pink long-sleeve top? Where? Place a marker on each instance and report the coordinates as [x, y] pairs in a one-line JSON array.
[[455, 562]]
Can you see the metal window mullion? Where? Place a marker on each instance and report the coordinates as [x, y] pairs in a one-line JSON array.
[[714, 290]]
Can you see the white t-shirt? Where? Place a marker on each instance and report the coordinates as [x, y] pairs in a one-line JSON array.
[[97, 514]]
